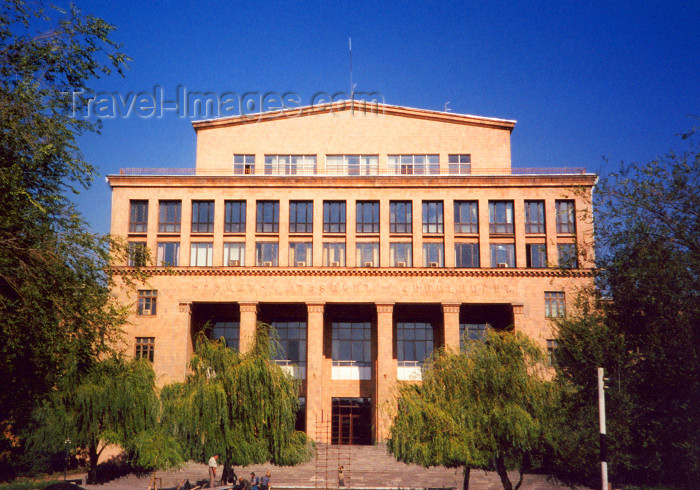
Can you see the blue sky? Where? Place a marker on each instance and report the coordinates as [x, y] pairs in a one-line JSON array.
[[584, 80]]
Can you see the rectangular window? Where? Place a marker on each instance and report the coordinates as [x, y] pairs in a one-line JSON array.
[[137, 254], [414, 342], [467, 255], [470, 332], [566, 217], [432, 217], [201, 254], [334, 216], [367, 217], [169, 216], [534, 217], [501, 217], [230, 332], [138, 217], [291, 337], [234, 216], [554, 305], [202, 216], [301, 217], [401, 254], [401, 219], [145, 348], [414, 164], [568, 255], [552, 346], [502, 255], [351, 343], [334, 254], [352, 164], [367, 254], [268, 218], [147, 302], [466, 217], [460, 164], [433, 255], [266, 254], [536, 255], [290, 164], [300, 254], [234, 254], [243, 164], [168, 254]]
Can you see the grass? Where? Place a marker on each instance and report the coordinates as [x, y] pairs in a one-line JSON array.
[[27, 484]]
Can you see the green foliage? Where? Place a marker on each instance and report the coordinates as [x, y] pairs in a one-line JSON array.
[[488, 406], [242, 407]]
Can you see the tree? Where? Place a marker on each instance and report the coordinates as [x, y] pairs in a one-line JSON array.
[[113, 403], [158, 450], [242, 407], [488, 406], [56, 310]]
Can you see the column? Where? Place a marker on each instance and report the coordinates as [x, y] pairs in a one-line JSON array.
[[317, 255], [451, 325], [283, 235], [551, 231], [518, 317], [218, 249], [385, 371], [484, 234], [250, 210], [314, 374], [247, 324], [449, 244], [417, 228], [185, 231], [384, 238], [519, 229], [350, 227]]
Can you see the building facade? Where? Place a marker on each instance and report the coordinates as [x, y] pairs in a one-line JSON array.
[[367, 236]]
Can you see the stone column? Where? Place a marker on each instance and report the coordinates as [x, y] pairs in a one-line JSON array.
[[484, 234], [314, 373], [385, 371], [519, 230], [247, 324], [518, 317], [451, 325]]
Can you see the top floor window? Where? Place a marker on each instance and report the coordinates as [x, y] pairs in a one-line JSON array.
[[334, 216], [352, 164], [460, 164], [566, 217], [501, 216], [202, 216], [290, 164], [534, 216], [466, 217], [301, 216], [138, 217], [367, 217], [169, 216], [432, 217], [400, 219], [234, 216], [414, 164], [243, 164], [268, 219]]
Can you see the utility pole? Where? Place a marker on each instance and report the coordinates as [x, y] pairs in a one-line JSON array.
[[603, 435]]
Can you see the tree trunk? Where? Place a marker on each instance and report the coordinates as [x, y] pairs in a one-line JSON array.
[[501, 470], [465, 484], [92, 471]]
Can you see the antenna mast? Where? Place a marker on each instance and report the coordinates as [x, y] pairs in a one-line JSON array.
[[352, 86]]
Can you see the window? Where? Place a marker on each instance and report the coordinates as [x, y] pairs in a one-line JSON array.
[[290, 164], [536, 255], [268, 219], [352, 343], [367, 254], [334, 254], [301, 217], [266, 254], [501, 216], [400, 216], [466, 255], [234, 254], [243, 164], [432, 217], [367, 217], [459, 164], [502, 255], [433, 255], [414, 164], [292, 342], [202, 216], [234, 216], [352, 164], [169, 217], [145, 348], [568, 255], [300, 254], [534, 216], [201, 254], [137, 254], [472, 332], [147, 302], [334, 216], [229, 331], [466, 217], [414, 342], [401, 254], [168, 253], [552, 346], [138, 217], [554, 305], [566, 217]]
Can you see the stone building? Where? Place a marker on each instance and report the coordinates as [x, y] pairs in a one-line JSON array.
[[368, 235]]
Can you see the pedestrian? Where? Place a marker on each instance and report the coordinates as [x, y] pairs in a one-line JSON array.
[[341, 476], [212, 470], [254, 482], [265, 481], [243, 484]]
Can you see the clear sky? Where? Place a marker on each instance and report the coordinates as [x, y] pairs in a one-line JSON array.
[[584, 80]]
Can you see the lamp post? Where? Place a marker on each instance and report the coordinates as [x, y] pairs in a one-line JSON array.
[[65, 466], [603, 435]]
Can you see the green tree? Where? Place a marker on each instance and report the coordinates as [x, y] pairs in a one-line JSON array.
[[487, 407], [242, 407], [158, 450]]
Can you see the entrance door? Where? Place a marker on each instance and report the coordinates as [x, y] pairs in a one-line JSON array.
[[351, 421]]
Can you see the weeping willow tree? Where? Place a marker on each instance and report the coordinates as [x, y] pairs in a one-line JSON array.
[[487, 407], [240, 406]]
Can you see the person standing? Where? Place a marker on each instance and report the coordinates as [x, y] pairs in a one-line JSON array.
[[212, 470], [341, 476], [254, 481], [265, 481]]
